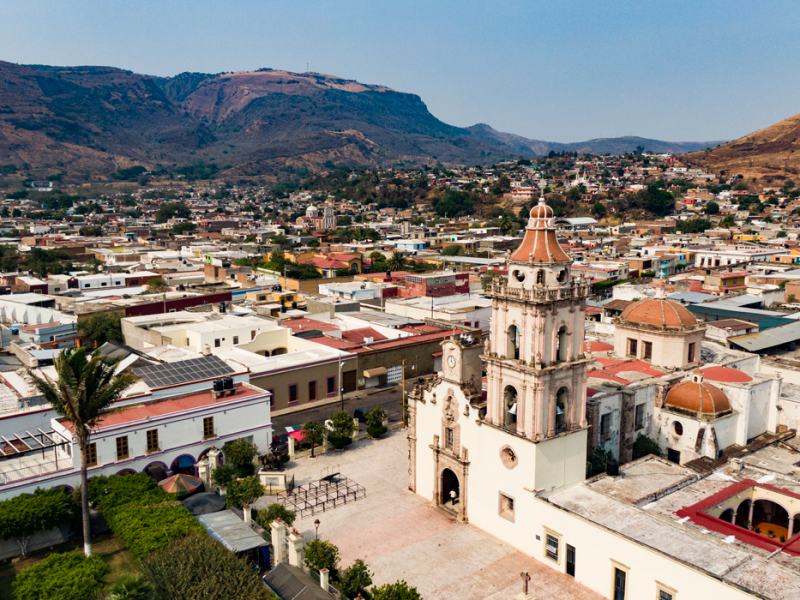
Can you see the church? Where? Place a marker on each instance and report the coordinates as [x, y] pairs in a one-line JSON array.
[[313, 220], [509, 454]]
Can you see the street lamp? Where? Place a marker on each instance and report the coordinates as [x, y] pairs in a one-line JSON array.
[[316, 529], [341, 383]]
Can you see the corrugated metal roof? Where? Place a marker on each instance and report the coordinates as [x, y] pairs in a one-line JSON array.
[[774, 336], [231, 531]]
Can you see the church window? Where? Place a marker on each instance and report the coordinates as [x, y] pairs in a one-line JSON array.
[[513, 342], [638, 417], [540, 277], [620, 583], [605, 427], [510, 399], [506, 507], [632, 347], [691, 352], [449, 438], [563, 276], [563, 339], [519, 275], [648, 350], [561, 410], [677, 428]]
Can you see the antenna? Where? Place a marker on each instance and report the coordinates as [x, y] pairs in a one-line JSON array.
[[307, 68]]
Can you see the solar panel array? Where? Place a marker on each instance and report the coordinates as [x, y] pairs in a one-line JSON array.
[[184, 371]]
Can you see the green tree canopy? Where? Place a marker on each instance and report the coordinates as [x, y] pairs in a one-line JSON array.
[[355, 580], [184, 227], [454, 250], [25, 514], [712, 208], [399, 590], [454, 204], [68, 576], [696, 225], [171, 210], [91, 231], [157, 285], [644, 445], [101, 327], [241, 492], [274, 512], [314, 433], [321, 554]]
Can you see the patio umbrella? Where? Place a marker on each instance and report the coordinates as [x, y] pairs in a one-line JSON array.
[[181, 484], [203, 504]]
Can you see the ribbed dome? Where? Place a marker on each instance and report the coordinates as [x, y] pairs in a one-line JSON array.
[[659, 312], [540, 244], [725, 375], [698, 396]]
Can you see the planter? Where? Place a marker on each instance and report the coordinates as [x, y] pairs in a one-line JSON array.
[[376, 432]]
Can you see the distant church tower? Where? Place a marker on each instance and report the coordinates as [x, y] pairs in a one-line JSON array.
[[536, 368]]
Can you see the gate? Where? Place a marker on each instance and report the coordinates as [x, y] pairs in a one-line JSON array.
[[394, 374]]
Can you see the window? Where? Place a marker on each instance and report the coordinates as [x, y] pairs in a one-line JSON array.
[[235, 340], [312, 390], [271, 397], [664, 592], [506, 507], [605, 427], [551, 543], [331, 385], [648, 350], [122, 447], [104, 284], [449, 438], [152, 440], [632, 347], [292, 393], [691, 352], [638, 416], [216, 343], [570, 560], [253, 335], [91, 455], [208, 427], [620, 583]]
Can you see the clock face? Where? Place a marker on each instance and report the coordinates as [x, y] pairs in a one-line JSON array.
[[451, 361]]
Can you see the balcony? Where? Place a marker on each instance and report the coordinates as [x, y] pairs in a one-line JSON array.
[[26, 467], [539, 295]]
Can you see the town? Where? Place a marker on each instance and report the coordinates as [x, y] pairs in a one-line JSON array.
[[576, 376]]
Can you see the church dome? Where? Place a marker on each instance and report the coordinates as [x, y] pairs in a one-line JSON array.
[[540, 244], [659, 312], [725, 375], [311, 211], [699, 397]]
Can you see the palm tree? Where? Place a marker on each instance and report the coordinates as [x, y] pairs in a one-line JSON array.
[[396, 262], [505, 224], [84, 393]]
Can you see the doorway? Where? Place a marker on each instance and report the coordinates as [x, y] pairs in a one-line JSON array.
[[673, 456], [450, 491]]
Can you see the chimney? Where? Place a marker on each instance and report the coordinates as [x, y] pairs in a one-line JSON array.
[[324, 579], [206, 350]]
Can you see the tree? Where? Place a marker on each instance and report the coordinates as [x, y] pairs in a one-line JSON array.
[[321, 554], [314, 243], [84, 393], [398, 590], [101, 327], [643, 446], [712, 208], [396, 263], [222, 476], [200, 568], [727, 221], [696, 225], [172, 210], [185, 227], [91, 231], [375, 420], [68, 576], [343, 424], [355, 580], [24, 515], [157, 285], [781, 234], [241, 492], [598, 460], [378, 261], [453, 250], [344, 221], [314, 433], [506, 224], [598, 210], [240, 455], [274, 512], [279, 239], [454, 204]]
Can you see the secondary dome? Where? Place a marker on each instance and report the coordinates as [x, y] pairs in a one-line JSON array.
[[540, 244], [659, 312], [725, 375], [698, 396]]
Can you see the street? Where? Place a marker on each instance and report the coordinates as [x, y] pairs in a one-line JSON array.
[[388, 398]]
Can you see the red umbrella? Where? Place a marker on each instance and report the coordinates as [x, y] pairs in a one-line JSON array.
[[181, 484]]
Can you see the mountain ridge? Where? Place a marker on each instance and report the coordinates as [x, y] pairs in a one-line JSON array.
[[100, 119]]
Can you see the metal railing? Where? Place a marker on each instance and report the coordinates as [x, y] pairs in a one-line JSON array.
[[502, 290], [9, 471]]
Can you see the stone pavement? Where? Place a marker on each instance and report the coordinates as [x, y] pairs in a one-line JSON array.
[[402, 536]]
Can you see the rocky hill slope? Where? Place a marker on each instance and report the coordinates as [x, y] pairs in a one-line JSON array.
[[100, 119]]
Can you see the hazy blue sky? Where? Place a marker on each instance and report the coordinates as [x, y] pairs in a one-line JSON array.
[[558, 71]]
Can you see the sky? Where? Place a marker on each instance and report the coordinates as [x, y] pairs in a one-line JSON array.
[[560, 70]]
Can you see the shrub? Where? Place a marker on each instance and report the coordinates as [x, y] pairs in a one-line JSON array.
[[240, 455], [340, 443], [273, 512], [598, 460], [644, 446], [376, 417], [67, 576], [243, 491], [24, 515], [355, 580], [132, 587], [398, 590], [199, 568], [323, 555], [376, 431], [109, 493], [145, 529], [223, 475]]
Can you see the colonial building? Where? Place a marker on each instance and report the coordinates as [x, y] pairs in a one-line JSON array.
[[316, 221]]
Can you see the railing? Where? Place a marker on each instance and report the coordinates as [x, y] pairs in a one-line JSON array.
[[11, 471], [576, 290]]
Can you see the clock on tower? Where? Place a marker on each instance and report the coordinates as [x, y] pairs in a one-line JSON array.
[[458, 364]]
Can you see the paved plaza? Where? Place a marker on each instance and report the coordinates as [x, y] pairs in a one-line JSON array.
[[401, 536]]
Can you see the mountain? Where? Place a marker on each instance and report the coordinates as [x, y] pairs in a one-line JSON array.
[[99, 119], [769, 155]]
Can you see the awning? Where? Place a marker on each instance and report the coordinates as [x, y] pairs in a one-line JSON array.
[[437, 353], [185, 461], [298, 435], [376, 372]]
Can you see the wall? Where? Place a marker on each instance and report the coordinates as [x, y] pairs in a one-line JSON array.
[[38, 541]]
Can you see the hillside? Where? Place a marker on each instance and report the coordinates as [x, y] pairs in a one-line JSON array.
[[95, 120], [768, 156]]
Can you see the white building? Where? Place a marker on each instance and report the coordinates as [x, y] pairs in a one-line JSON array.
[[721, 256], [472, 310]]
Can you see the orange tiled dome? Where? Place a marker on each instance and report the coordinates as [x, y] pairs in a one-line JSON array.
[[541, 211], [725, 375], [698, 396], [540, 244], [659, 312]]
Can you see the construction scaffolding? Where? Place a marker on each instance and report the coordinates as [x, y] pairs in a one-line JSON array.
[[329, 492]]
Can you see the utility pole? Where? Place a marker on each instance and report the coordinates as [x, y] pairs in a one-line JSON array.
[[341, 383], [403, 397]]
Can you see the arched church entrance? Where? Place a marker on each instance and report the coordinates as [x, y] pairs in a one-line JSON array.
[[450, 491]]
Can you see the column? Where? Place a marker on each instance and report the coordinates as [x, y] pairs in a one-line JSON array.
[[551, 411], [324, 579], [278, 538], [296, 549], [213, 458]]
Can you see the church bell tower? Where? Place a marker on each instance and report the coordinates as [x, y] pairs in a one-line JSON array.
[[536, 368]]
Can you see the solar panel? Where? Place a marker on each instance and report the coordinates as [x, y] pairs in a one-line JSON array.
[[184, 371]]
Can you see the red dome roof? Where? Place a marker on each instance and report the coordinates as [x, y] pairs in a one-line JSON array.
[[699, 397], [725, 375], [540, 244], [659, 312]]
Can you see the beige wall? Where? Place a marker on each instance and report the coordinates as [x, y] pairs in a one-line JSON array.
[[670, 349]]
